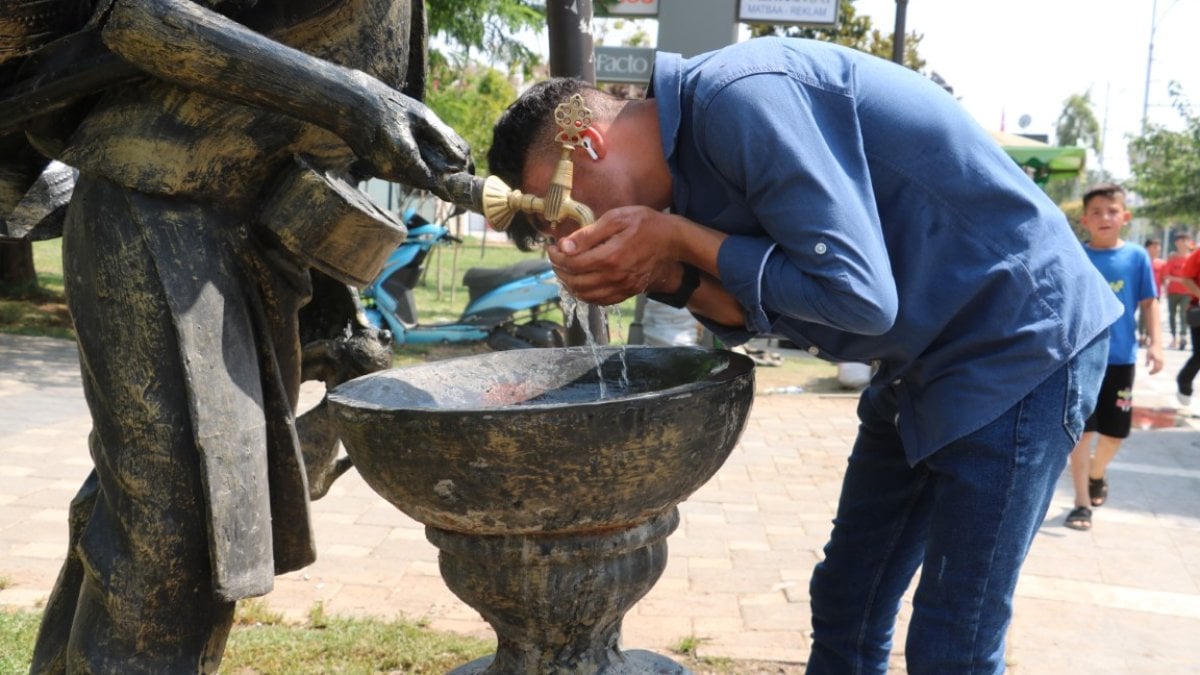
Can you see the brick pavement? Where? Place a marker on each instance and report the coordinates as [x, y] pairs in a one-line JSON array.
[[1122, 598]]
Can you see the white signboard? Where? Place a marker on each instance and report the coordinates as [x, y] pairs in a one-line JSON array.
[[818, 12], [631, 8], [624, 64]]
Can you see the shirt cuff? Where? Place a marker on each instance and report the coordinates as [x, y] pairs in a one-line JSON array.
[[740, 262]]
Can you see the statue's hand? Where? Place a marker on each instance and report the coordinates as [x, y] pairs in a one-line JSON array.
[[404, 141]]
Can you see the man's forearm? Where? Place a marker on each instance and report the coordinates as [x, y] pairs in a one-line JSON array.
[[699, 246]]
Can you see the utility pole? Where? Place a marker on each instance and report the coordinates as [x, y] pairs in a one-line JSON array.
[[1154, 17], [1149, 64], [571, 48], [572, 54], [898, 32]]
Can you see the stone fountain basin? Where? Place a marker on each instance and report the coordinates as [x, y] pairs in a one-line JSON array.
[[519, 442]]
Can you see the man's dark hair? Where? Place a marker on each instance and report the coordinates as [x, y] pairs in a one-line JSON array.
[[1110, 190], [1152, 242], [527, 127]]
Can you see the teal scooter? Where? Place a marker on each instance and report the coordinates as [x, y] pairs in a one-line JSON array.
[[505, 306]]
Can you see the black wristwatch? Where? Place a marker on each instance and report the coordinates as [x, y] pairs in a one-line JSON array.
[[691, 281]]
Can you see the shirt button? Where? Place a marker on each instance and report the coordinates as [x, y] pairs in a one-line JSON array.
[[813, 350], [821, 248], [896, 383], [876, 363]]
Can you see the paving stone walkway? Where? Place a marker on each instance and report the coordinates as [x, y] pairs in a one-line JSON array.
[[1122, 598]]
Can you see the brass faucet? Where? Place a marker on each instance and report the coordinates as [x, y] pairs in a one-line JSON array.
[[499, 203]]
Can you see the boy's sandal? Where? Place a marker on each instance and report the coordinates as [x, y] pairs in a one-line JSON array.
[[1080, 518], [1098, 491]]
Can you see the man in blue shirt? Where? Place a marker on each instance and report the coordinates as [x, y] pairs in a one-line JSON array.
[[853, 207]]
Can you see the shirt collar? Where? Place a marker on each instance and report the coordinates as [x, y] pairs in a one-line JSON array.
[[666, 84]]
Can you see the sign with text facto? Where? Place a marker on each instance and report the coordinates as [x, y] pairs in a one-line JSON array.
[[815, 12], [624, 64], [629, 8]]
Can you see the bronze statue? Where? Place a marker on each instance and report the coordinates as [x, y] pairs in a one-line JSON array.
[[195, 128]]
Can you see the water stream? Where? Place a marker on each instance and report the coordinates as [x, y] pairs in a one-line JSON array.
[[577, 310]]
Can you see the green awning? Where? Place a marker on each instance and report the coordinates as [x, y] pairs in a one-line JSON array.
[[1041, 161], [1055, 160]]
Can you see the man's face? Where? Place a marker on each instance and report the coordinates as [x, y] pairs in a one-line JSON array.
[[1182, 245], [598, 184]]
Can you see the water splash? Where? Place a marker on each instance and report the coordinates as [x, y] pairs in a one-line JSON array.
[[616, 310], [577, 310]]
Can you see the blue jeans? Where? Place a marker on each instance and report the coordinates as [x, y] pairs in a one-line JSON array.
[[967, 514]]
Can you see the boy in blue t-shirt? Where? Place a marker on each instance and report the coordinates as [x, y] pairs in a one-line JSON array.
[[1130, 273]]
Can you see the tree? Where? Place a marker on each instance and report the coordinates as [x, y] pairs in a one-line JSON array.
[[469, 100], [1077, 123], [486, 26], [1166, 165], [1076, 126], [465, 94]]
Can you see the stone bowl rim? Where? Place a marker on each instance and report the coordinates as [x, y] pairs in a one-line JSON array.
[[339, 397]]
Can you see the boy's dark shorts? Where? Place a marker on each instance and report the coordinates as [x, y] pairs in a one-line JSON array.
[[1114, 405]]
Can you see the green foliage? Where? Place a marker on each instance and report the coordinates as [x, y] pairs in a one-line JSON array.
[[1077, 123], [341, 645], [1166, 166], [256, 612], [17, 632], [487, 26], [470, 97], [852, 31], [41, 308], [469, 100]]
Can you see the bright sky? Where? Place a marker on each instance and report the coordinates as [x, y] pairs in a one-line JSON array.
[[1025, 57], [1011, 58]]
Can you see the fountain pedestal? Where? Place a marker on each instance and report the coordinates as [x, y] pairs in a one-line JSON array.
[[550, 505], [556, 601]]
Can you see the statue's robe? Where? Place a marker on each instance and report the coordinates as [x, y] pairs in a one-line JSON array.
[[185, 307]]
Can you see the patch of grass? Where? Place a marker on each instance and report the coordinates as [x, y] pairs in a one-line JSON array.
[[17, 632], [256, 612], [263, 644], [39, 309], [35, 313], [339, 645], [688, 647], [326, 645]]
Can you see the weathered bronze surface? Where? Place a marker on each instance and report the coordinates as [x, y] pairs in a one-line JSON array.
[[549, 502], [198, 279]]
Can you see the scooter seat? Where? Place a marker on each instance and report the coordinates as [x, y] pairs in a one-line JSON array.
[[480, 280]]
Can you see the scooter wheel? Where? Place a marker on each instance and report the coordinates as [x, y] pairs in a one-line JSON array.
[[543, 333], [502, 341]]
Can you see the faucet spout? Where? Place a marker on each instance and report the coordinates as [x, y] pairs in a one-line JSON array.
[[499, 203]]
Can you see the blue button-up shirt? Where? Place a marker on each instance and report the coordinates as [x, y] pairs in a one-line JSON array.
[[872, 220]]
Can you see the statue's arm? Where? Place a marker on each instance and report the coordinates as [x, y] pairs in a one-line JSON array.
[[184, 43]]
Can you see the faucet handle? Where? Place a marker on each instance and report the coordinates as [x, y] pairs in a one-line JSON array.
[[572, 117]]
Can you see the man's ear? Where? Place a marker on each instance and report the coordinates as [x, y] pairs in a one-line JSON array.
[[593, 143]]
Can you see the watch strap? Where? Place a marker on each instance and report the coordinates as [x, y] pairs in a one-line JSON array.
[[679, 299]]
